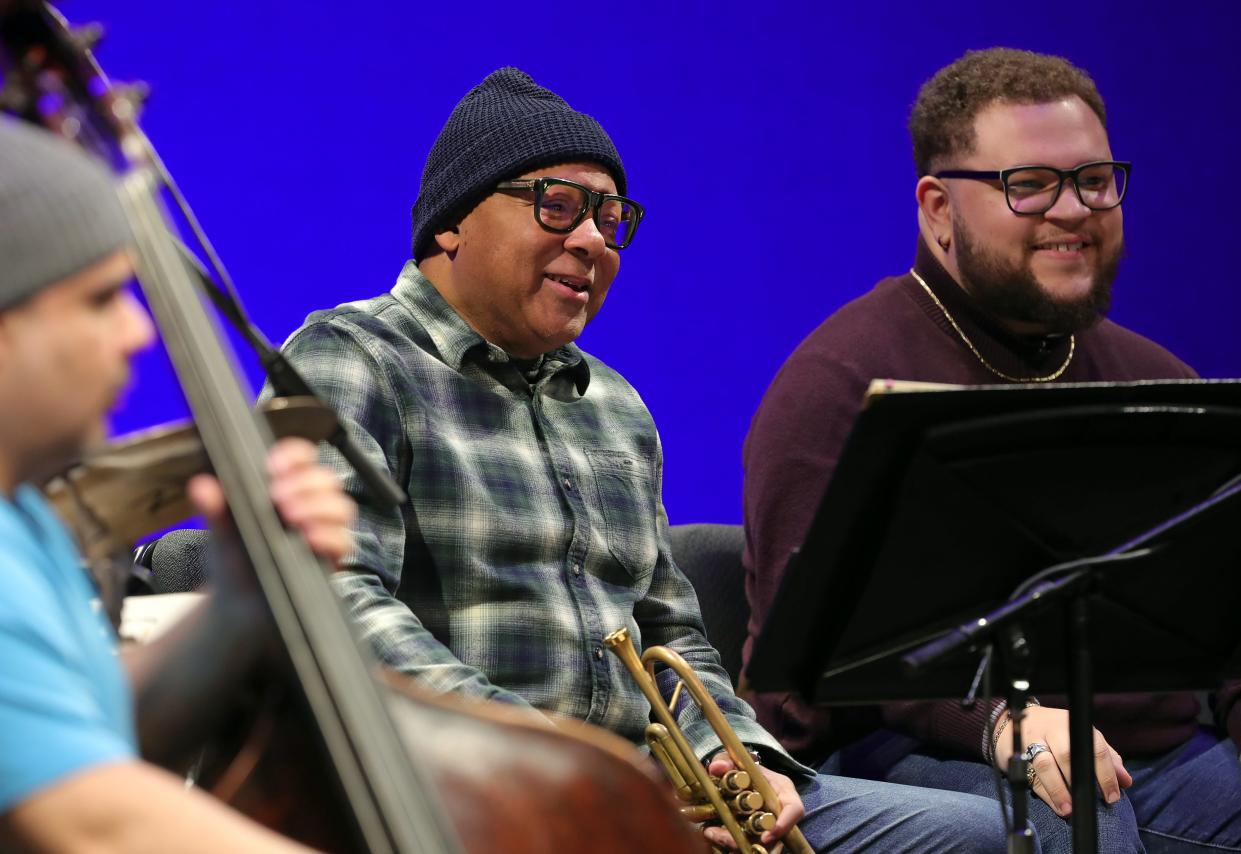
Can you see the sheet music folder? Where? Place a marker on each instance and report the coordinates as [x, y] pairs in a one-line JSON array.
[[946, 498]]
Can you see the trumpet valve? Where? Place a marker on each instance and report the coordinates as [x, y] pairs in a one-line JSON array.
[[757, 822], [746, 802], [734, 782]]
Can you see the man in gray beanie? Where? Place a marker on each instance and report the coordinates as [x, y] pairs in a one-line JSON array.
[[534, 525], [70, 774]]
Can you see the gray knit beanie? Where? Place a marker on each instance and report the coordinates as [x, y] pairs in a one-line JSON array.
[[59, 212], [504, 126]]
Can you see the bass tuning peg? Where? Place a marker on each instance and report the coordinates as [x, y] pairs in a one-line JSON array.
[[13, 98], [134, 95], [87, 36]]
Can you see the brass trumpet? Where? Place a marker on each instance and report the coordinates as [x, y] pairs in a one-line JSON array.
[[742, 800]]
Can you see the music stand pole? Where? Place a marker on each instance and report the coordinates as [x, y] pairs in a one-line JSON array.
[[1071, 592], [1081, 723]]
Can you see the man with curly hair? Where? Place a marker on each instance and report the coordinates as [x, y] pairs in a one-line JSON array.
[[1020, 236]]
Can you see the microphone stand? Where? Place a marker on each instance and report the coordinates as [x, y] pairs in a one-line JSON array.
[[1016, 660], [1070, 583]]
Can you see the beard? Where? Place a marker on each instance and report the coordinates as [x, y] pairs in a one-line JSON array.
[[1012, 291]]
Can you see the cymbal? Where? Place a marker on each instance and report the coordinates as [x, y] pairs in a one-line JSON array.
[[135, 485]]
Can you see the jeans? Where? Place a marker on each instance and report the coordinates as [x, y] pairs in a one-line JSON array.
[[1188, 800], [848, 814]]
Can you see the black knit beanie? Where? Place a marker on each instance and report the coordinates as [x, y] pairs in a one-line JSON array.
[[503, 127]]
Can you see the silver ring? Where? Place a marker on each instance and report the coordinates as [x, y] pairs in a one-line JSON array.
[[1032, 750]]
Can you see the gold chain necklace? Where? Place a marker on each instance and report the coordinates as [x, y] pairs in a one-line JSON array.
[[968, 343]]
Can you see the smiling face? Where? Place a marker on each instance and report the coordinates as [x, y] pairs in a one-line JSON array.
[[64, 361], [1050, 272], [522, 288]]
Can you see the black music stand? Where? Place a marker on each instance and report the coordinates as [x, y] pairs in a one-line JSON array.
[[946, 500]]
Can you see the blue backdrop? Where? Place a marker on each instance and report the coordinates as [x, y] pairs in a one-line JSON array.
[[766, 140]]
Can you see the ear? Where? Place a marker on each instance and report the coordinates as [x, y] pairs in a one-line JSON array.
[[449, 241], [934, 210]]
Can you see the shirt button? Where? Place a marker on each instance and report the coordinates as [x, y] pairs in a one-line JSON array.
[[577, 569], [599, 652], [568, 484]]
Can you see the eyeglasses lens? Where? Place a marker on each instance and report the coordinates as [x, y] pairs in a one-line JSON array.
[[1034, 190], [1101, 186], [562, 208], [616, 221]]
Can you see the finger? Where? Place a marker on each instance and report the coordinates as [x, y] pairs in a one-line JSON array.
[[1060, 746], [1122, 773], [720, 838], [720, 765], [289, 454], [1050, 785], [303, 482], [1105, 770], [312, 494], [205, 494], [784, 823], [791, 808], [330, 542], [317, 508]]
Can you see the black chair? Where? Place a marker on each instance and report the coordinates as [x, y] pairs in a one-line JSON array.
[[710, 556]]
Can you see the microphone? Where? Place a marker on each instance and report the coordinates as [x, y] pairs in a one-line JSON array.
[[177, 561]]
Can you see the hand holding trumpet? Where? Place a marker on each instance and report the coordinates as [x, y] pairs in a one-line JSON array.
[[755, 806], [791, 809]]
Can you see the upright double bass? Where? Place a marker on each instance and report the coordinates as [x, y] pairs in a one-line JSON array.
[[410, 775]]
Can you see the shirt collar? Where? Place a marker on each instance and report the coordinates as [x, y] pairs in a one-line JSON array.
[[457, 342]]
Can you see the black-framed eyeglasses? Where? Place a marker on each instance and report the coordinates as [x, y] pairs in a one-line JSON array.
[[1100, 185], [560, 206]]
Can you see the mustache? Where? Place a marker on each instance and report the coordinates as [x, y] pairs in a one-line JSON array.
[[1010, 290]]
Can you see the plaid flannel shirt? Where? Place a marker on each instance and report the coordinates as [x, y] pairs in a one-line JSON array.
[[535, 525]]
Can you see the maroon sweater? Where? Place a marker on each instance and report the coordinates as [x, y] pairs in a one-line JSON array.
[[897, 332]]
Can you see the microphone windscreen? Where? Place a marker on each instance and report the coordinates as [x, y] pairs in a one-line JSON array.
[[178, 560]]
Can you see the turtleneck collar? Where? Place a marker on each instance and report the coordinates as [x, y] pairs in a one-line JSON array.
[[1015, 355]]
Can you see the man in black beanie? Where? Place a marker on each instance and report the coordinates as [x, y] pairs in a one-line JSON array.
[[70, 730], [535, 526]]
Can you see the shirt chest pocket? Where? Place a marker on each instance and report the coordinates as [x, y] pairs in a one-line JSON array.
[[626, 504]]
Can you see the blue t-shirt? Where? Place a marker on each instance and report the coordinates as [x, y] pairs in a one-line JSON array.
[[64, 701]]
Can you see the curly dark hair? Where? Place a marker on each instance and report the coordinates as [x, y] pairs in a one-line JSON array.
[[941, 123]]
